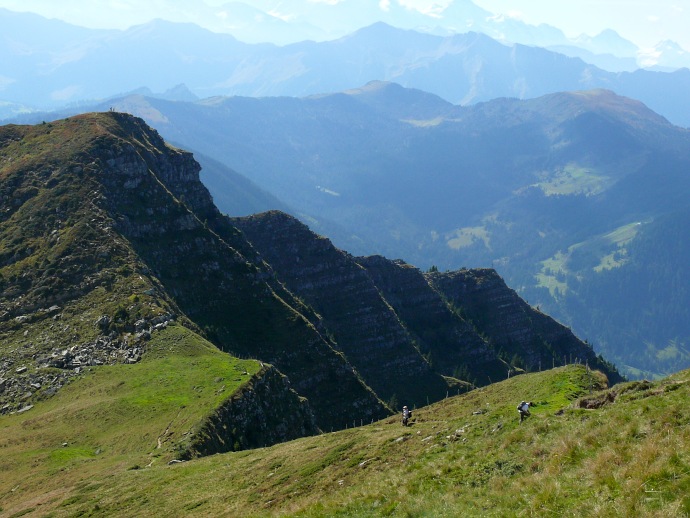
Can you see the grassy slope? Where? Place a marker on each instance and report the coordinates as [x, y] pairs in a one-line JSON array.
[[114, 419], [466, 455]]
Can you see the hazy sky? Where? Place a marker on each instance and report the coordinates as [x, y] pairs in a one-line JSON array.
[[644, 22]]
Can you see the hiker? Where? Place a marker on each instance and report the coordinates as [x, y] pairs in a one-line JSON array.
[[406, 415], [523, 409]]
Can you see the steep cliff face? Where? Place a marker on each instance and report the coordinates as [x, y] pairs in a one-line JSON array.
[[521, 334], [450, 342], [265, 411], [360, 321], [466, 324]]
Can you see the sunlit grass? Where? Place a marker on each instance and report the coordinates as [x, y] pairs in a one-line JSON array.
[[604, 252], [573, 179], [464, 456], [464, 237], [120, 417]]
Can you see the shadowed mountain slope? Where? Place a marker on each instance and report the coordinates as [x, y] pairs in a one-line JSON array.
[[466, 324], [450, 342], [515, 328], [365, 327]]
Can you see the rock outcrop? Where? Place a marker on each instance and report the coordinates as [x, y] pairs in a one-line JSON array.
[[465, 325], [518, 332], [263, 412], [452, 343], [107, 219], [358, 318]]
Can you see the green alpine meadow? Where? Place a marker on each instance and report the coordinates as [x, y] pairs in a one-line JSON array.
[[102, 447]]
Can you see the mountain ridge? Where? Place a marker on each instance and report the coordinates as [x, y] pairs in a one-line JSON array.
[[473, 345], [110, 228], [137, 197], [260, 23]]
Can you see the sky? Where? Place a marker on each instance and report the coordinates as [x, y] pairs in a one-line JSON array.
[[644, 22]]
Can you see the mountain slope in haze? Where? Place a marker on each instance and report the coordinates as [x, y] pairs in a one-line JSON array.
[[586, 450], [236, 193], [550, 191], [265, 22]]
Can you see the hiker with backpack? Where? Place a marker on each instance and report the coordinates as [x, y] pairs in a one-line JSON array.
[[406, 416], [523, 409]]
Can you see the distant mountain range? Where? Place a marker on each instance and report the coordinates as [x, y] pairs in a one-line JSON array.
[[566, 195], [75, 65], [265, 21]]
